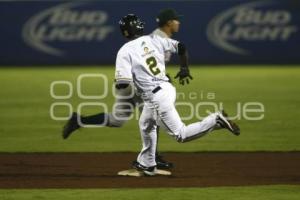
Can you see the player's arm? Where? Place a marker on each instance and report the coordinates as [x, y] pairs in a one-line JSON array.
[[124, 90], [184, 72], [178, 47], [123, 76]]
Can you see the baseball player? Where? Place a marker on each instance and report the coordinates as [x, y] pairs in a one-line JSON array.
[[142, 60], [168, 23]]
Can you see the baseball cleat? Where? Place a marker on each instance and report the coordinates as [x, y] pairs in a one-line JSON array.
[[162, 164], [148, 171], [224, 122], [71, 126]]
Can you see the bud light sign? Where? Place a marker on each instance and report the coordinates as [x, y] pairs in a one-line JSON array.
[[65, 23], [86, 32], [257, 22]]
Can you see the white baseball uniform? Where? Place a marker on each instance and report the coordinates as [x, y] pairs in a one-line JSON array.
[[123, 106], [144, 57], [162, 34]]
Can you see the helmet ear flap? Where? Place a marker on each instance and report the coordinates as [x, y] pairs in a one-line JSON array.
[[125, 33]]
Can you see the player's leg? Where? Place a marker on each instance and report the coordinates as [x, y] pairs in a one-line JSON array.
[[193, 131], [171, 120], [73, 123], [122, 110], [146, 159], [184, 133], [161, 163], [123, 107]]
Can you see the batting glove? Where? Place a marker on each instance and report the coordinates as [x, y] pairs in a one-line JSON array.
[[184, 76]]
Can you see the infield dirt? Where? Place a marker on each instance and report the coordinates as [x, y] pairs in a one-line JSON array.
[[99, 170]]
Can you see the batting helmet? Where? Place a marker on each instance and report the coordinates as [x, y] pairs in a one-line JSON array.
[[131, 26]]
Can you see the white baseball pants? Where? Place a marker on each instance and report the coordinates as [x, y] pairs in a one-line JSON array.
[[159, 108]]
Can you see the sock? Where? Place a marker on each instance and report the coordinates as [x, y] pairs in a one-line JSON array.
[[98, 119], [156, 151]]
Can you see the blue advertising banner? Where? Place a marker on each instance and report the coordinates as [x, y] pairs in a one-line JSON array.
[[87, 32]]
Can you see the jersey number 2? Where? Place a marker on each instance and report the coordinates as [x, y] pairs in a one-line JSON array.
[[152, 63]]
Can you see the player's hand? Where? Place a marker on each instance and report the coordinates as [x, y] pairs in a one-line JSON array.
[[184, 76]]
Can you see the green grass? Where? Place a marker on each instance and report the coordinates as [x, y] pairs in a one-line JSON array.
[[280, 192], [26, 126]]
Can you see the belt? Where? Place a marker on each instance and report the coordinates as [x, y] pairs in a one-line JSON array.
[[156, 89]]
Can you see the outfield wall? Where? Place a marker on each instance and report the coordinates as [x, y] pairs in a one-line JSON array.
[[87, 32]]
